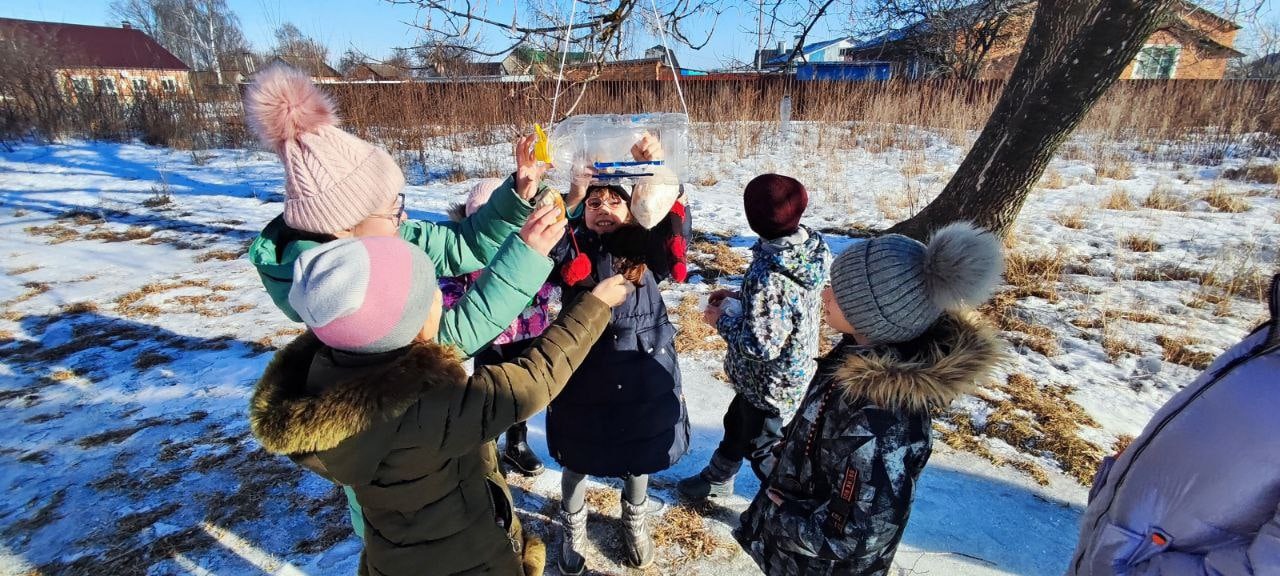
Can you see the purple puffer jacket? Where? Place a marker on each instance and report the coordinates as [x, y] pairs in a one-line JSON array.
[[529, 324], [1198, 492]]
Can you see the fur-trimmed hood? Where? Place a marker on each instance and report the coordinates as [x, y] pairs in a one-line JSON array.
[[949, 361], [287, 419]]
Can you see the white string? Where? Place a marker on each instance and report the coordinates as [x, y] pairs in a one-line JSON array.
[[662, 29], [564, 54]]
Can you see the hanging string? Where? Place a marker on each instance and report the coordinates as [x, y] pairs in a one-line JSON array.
[[662, 29], [564, 54]]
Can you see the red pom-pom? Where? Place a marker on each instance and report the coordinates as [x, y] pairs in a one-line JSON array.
[[679, 272], [576, 270]]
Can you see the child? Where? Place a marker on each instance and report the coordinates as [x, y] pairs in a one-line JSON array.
[[623, 414], [837, 497], [773, 340], [511, 342], [367, 399], [339, 186]]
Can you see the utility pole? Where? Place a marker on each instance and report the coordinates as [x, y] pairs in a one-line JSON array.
[[759, 34]]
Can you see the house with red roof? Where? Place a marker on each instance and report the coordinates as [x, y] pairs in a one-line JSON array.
[[100, 61]]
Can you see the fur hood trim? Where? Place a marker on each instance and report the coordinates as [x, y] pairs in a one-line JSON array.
[[962, 351], [288, 420]]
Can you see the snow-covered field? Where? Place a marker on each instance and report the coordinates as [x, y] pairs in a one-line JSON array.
[[132, 330]]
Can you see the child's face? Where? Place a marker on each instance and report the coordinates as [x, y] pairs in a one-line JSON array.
[[606, 211], [385, 222], [832, 315], [432, 326]]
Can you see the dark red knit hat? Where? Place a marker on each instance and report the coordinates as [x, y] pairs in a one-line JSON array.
[[774, 204]]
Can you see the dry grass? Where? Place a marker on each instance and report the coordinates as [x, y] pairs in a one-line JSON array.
[[1260, 173], [1134, 316], [57, 233], [1052, 180], [1118, 199], [1140, 243], [1034, 274], [714, 258], [149, 359], [1035, 418], [126, 235], [964, 436], [220, 255], [1116, 346], [81, 217], [1161, 198], [694, 334], [1073, 219], [1222, 201], [33, 289], [1019, 332], [1121, 444], [1115, 167], [80, 308], [1031, 469], [1180, 350], [22, 270], [63, 375], [708, 180], [606, 501], [683, 528]]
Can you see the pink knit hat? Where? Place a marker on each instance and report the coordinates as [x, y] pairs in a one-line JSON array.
[[364, 295], [479, 194], [332, 180]]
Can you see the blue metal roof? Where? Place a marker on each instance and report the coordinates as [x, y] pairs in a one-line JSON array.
[[807, 50]]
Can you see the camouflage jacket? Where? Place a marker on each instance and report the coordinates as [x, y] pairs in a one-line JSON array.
[[847, 469], [772, 343]]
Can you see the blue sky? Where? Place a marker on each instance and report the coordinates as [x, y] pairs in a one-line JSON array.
[[376, 27]]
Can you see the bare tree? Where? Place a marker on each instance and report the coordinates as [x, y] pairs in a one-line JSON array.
[[32, 97], [291, 42], [350, 59], [951, 38], [202, 32]]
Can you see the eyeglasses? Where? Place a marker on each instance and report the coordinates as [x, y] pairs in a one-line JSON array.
[[599, 203], [399, 213]]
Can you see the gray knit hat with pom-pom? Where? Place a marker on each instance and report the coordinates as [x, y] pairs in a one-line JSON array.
[[893, 288]]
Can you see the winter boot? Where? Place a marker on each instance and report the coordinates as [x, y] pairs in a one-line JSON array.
[[699, 487], [635, 521], [573, 540], [518, 456]]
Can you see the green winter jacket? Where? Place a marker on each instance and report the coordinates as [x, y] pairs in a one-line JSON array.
[[514, 275], [413, 435]]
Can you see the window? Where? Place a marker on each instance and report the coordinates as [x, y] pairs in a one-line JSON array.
[[81, 85], [107, 85], [140, 86], [1156, 63], [168, 84]]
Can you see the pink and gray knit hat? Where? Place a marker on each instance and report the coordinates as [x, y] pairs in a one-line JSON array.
[[364, 295], [332, 180]]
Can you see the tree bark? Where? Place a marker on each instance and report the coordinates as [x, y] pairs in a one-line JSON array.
[[1075, 51]]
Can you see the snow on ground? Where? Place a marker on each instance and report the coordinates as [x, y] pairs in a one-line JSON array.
[[132, 330]]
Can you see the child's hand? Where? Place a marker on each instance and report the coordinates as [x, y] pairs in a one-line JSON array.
[[529, 171], [613, 290], [543, 229], [647, 149], [719, 295], [579, 181], [712, 314]]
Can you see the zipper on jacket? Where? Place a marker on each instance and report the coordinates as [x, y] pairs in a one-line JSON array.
[[1260, 350]]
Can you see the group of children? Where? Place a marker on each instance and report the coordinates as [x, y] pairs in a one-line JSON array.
[[375, 398]]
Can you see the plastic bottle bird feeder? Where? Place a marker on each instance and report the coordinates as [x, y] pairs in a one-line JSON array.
[[603, 142]]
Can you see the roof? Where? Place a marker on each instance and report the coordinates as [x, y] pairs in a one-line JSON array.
[[535, 56], [311, 66], [807, 50], [1208, 47], [1196, 8], [386, 70], [77, 45]]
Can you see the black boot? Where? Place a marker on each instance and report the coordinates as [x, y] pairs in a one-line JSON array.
[[518, 455]]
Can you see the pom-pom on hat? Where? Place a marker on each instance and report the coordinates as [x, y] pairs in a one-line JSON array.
[[333, 180], [364, 295], [893, 288]]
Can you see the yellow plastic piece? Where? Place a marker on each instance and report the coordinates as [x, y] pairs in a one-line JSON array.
[[541, 147]]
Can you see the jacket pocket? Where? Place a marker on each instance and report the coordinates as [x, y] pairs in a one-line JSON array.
[[1127, 548], [503, 513]]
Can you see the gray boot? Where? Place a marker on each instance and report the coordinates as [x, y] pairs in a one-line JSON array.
[[573, 540], [635, 520]]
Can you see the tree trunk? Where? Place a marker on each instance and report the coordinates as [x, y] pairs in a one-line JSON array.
[[1075, 51]]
